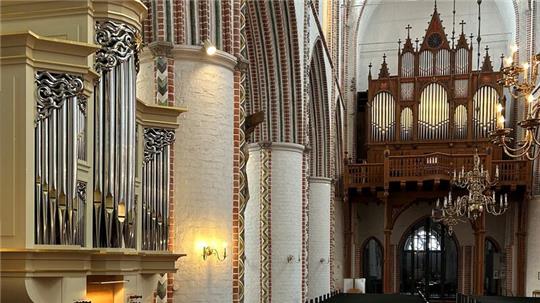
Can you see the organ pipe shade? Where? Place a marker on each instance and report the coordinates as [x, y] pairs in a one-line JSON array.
[[460, 122], [407, 65], [462, 61], [406, 121], [383, 117], [59, 210], [442, 62], [461, 88], [433, 113], [114, 206], [426, 63], [485, 103], [407, 91]]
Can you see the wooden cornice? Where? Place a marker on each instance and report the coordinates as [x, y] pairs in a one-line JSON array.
[[158, 115]]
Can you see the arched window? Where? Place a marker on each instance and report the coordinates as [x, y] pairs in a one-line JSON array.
[[429, 261], [372, 265], [383, 119], [485, 103], [433, 113], [492, 268]]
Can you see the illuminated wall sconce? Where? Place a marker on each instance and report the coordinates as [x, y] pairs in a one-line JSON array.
[[208, 251], [209, 47]]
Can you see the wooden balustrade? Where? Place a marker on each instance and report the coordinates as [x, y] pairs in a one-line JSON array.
[[433, 166]]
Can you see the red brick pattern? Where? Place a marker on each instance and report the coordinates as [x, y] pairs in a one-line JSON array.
[[179, 7], [147, 24], [204, 19]]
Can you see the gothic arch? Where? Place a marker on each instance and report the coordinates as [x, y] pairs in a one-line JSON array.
[[274, 70], [319, 115]]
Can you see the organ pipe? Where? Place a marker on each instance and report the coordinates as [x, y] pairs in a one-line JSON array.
[[383, 117], [114, 135], [56, 148], [434, 113], [485, 100], [155, 189]]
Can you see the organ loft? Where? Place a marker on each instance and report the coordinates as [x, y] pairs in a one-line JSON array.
[[415, 129]]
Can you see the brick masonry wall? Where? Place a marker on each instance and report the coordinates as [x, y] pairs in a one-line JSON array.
[[319, 237], [203, 188]]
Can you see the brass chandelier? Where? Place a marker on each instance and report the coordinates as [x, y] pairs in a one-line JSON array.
[[481, 197], [521, 81]]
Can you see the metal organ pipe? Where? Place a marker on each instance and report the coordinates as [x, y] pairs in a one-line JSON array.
[[434, 113], [116, 61], [383, 117], [56, 157], [156, 178], [485, 118]]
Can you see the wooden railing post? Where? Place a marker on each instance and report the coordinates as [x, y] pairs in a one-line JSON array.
[[386, 169]]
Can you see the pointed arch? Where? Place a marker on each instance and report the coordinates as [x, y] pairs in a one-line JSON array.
[[319, 115], [274, 70]]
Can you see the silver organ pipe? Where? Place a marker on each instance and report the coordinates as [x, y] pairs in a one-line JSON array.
[[442, 61], [433, 113], [114, 144], [462, 61], [407, 65], [383, 117], [81, 126], [460, 122], [56, 149], [485, 100], [406, 121], [155, 188], [426, 63]]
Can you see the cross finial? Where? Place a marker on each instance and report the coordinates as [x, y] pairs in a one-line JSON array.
[[408, 28], [487, 49], [384, 57], [462, 23], [435, 5]]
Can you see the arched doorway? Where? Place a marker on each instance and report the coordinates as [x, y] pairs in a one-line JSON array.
[[372, 265], [492, 268], [429, 261]]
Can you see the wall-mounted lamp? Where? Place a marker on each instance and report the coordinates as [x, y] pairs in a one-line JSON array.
[[208, 251], [209, 47]]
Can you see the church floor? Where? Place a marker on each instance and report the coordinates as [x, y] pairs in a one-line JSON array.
[[379, 298]]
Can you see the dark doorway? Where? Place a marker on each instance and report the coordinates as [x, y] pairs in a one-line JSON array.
[[491, 268], [429, 261], [372, 259]]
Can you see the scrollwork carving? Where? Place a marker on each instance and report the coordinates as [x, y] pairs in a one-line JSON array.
[[53, 89], [81, 191], [118, 42], [155, 139]]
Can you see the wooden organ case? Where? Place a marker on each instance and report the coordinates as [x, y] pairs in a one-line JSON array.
[[425, 122]]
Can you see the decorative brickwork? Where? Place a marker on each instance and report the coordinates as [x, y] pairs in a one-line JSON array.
[[266, 224]]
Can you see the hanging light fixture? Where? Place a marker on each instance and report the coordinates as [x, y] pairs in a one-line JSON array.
[[521, 82], [481, 197]]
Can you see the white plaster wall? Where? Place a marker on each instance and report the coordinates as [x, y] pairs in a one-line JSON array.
[[286, 207], [203, 177], [145, 78], [252, 228], [532, 281], [339, 257], [319, 237]]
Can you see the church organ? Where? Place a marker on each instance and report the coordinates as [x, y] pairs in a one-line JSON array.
[[423, 123]]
